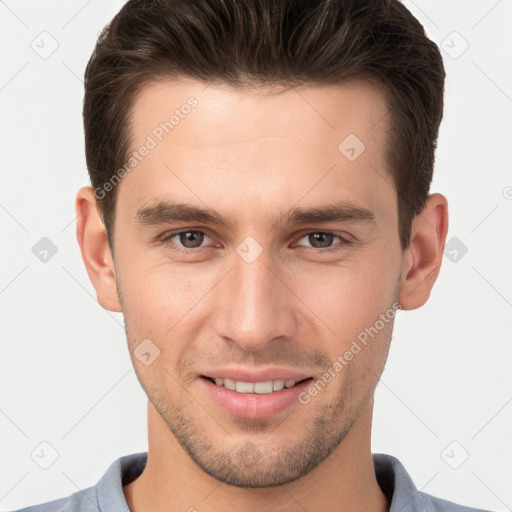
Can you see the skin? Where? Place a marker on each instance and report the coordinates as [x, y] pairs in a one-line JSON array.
[[252, 156]]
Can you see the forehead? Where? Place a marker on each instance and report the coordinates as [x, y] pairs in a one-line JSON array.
[[227, 146], [312, 111]]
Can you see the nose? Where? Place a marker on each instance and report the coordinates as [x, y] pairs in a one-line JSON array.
[[255, 304]]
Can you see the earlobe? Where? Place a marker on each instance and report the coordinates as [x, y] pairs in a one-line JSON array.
[[93, 242], [423, 258]]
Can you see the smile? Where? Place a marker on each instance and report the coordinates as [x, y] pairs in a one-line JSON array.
[[261, 388]]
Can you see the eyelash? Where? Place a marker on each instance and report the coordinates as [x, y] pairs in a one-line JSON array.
[[168, 236]]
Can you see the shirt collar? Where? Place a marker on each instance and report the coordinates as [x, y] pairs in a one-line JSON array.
[[398, 486], [124, 470]]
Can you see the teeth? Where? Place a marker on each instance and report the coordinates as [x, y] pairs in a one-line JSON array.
[[261, 388], [230, 384]]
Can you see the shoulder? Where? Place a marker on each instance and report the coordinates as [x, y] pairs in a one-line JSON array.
[[106, 495], [436, 504], [81, 501], [402, 493]]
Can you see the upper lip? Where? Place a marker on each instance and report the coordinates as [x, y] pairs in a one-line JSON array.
[[256, 375]]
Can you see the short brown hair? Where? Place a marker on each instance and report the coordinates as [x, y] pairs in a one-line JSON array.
[[247, 43]]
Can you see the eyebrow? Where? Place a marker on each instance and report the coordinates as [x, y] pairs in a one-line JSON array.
[[165, 212]]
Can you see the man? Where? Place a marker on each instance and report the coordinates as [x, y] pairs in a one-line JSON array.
[[260, 212]]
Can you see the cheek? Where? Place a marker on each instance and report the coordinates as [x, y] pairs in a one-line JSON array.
[[347, 298], [159, 300]]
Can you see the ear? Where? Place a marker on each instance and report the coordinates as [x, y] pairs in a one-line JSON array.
[[92, 238], [423, 257]]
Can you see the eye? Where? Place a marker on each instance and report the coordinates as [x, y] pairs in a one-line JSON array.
[[322, 241], [185, 240]]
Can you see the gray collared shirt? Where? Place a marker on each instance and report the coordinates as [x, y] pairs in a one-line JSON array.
[[107, 495]]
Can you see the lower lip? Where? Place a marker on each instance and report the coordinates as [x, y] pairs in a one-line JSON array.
[[253, 405]]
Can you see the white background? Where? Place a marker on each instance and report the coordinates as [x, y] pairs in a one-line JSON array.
[[66, 374]]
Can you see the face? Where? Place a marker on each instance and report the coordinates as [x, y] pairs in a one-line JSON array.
[[297, 259]]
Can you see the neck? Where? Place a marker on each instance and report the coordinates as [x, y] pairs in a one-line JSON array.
[[172, 482]]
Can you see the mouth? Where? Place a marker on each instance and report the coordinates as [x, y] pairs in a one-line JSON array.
[[258, 388], [255, 400]]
